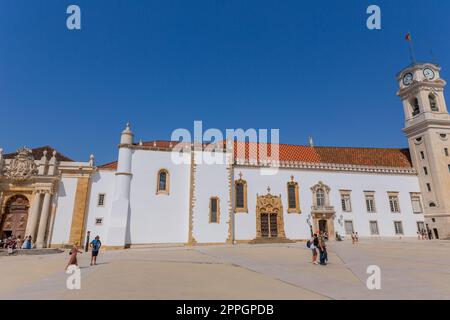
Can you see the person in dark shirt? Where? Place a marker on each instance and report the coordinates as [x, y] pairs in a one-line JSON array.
[[95, 245]]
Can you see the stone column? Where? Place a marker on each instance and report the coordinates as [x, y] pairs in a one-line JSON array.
[[33, 217], [43, 221]]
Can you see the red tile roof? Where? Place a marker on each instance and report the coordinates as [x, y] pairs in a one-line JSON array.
[[379, 157]]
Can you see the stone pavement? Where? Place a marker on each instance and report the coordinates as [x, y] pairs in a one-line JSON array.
[[410, 269]]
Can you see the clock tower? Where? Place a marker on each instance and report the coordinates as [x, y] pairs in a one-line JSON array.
[[427, 126]]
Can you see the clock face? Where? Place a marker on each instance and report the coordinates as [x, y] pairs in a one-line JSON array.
[[428, 73], [408, 79]]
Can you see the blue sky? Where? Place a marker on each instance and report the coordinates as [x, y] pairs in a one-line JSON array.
[[307, 68]]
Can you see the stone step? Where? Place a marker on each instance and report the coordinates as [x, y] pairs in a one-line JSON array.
[[4, 252], [271, 240]]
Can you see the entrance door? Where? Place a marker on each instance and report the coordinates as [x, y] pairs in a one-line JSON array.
[[269, 227], [323, 226], [14, 219]]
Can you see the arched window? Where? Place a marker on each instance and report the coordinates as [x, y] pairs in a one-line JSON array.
[[163, 182], [415, 107], [292, 193], [433, 102], [240, 195], [320, 198]]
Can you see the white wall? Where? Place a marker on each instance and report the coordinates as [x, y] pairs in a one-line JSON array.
[[65, 202], [158, 218], [101, 182], [211, 180], [296, 226]]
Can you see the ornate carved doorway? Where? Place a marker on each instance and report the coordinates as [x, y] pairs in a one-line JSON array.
[[15, 216], [269, 217]]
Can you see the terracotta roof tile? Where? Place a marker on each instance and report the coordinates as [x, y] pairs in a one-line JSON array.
[[379, 157]]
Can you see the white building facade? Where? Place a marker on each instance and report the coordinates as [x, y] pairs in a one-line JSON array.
[[148, 197]]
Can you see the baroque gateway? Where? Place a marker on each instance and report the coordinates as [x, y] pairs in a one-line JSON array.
[[145, 198]]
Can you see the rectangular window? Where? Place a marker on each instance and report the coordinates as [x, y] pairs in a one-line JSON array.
[[416, 203], [98, 221], [101, 200], [348, 227], [429, 187], [446, 152], [394, 203], [214, 210], [370, 202], [374, 228], [422, 155], [449, 167], [346, 201], [398, 227], [425, 170]]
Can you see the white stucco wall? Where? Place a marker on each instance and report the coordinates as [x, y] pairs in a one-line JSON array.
[[101, 182], [296, 226], [158, 218], [65, 201], [211, 180]]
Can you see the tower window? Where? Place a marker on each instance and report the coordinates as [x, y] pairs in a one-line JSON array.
[[429, 187], [446, 152], [449, 167], [432, 205], [433, 102], [422, 155], [425, 170], [415, 107]]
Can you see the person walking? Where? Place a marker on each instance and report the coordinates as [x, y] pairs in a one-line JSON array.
[[323, 251], [27, 243], [95, 245], [313, 243], [73, 255]]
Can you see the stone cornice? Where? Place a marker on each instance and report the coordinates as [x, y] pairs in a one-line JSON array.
[[327, 167]]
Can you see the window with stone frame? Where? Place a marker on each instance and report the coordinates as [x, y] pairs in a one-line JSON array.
[[240, 187], [416, 203], [370, 201], [346, 203], [374, 228], [394, 202], [163, 182], [398, 227], [214, 210], [292, 193]]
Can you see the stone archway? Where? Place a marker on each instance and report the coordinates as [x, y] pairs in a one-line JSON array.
[[269, 217], [14, 217]]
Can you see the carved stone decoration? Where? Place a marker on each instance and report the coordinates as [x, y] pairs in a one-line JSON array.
[[271, 205], [22, 167]]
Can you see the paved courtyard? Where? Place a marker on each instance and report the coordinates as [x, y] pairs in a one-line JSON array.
[[410, 269]]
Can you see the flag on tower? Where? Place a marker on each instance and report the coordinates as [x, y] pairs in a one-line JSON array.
[[408, 37]]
